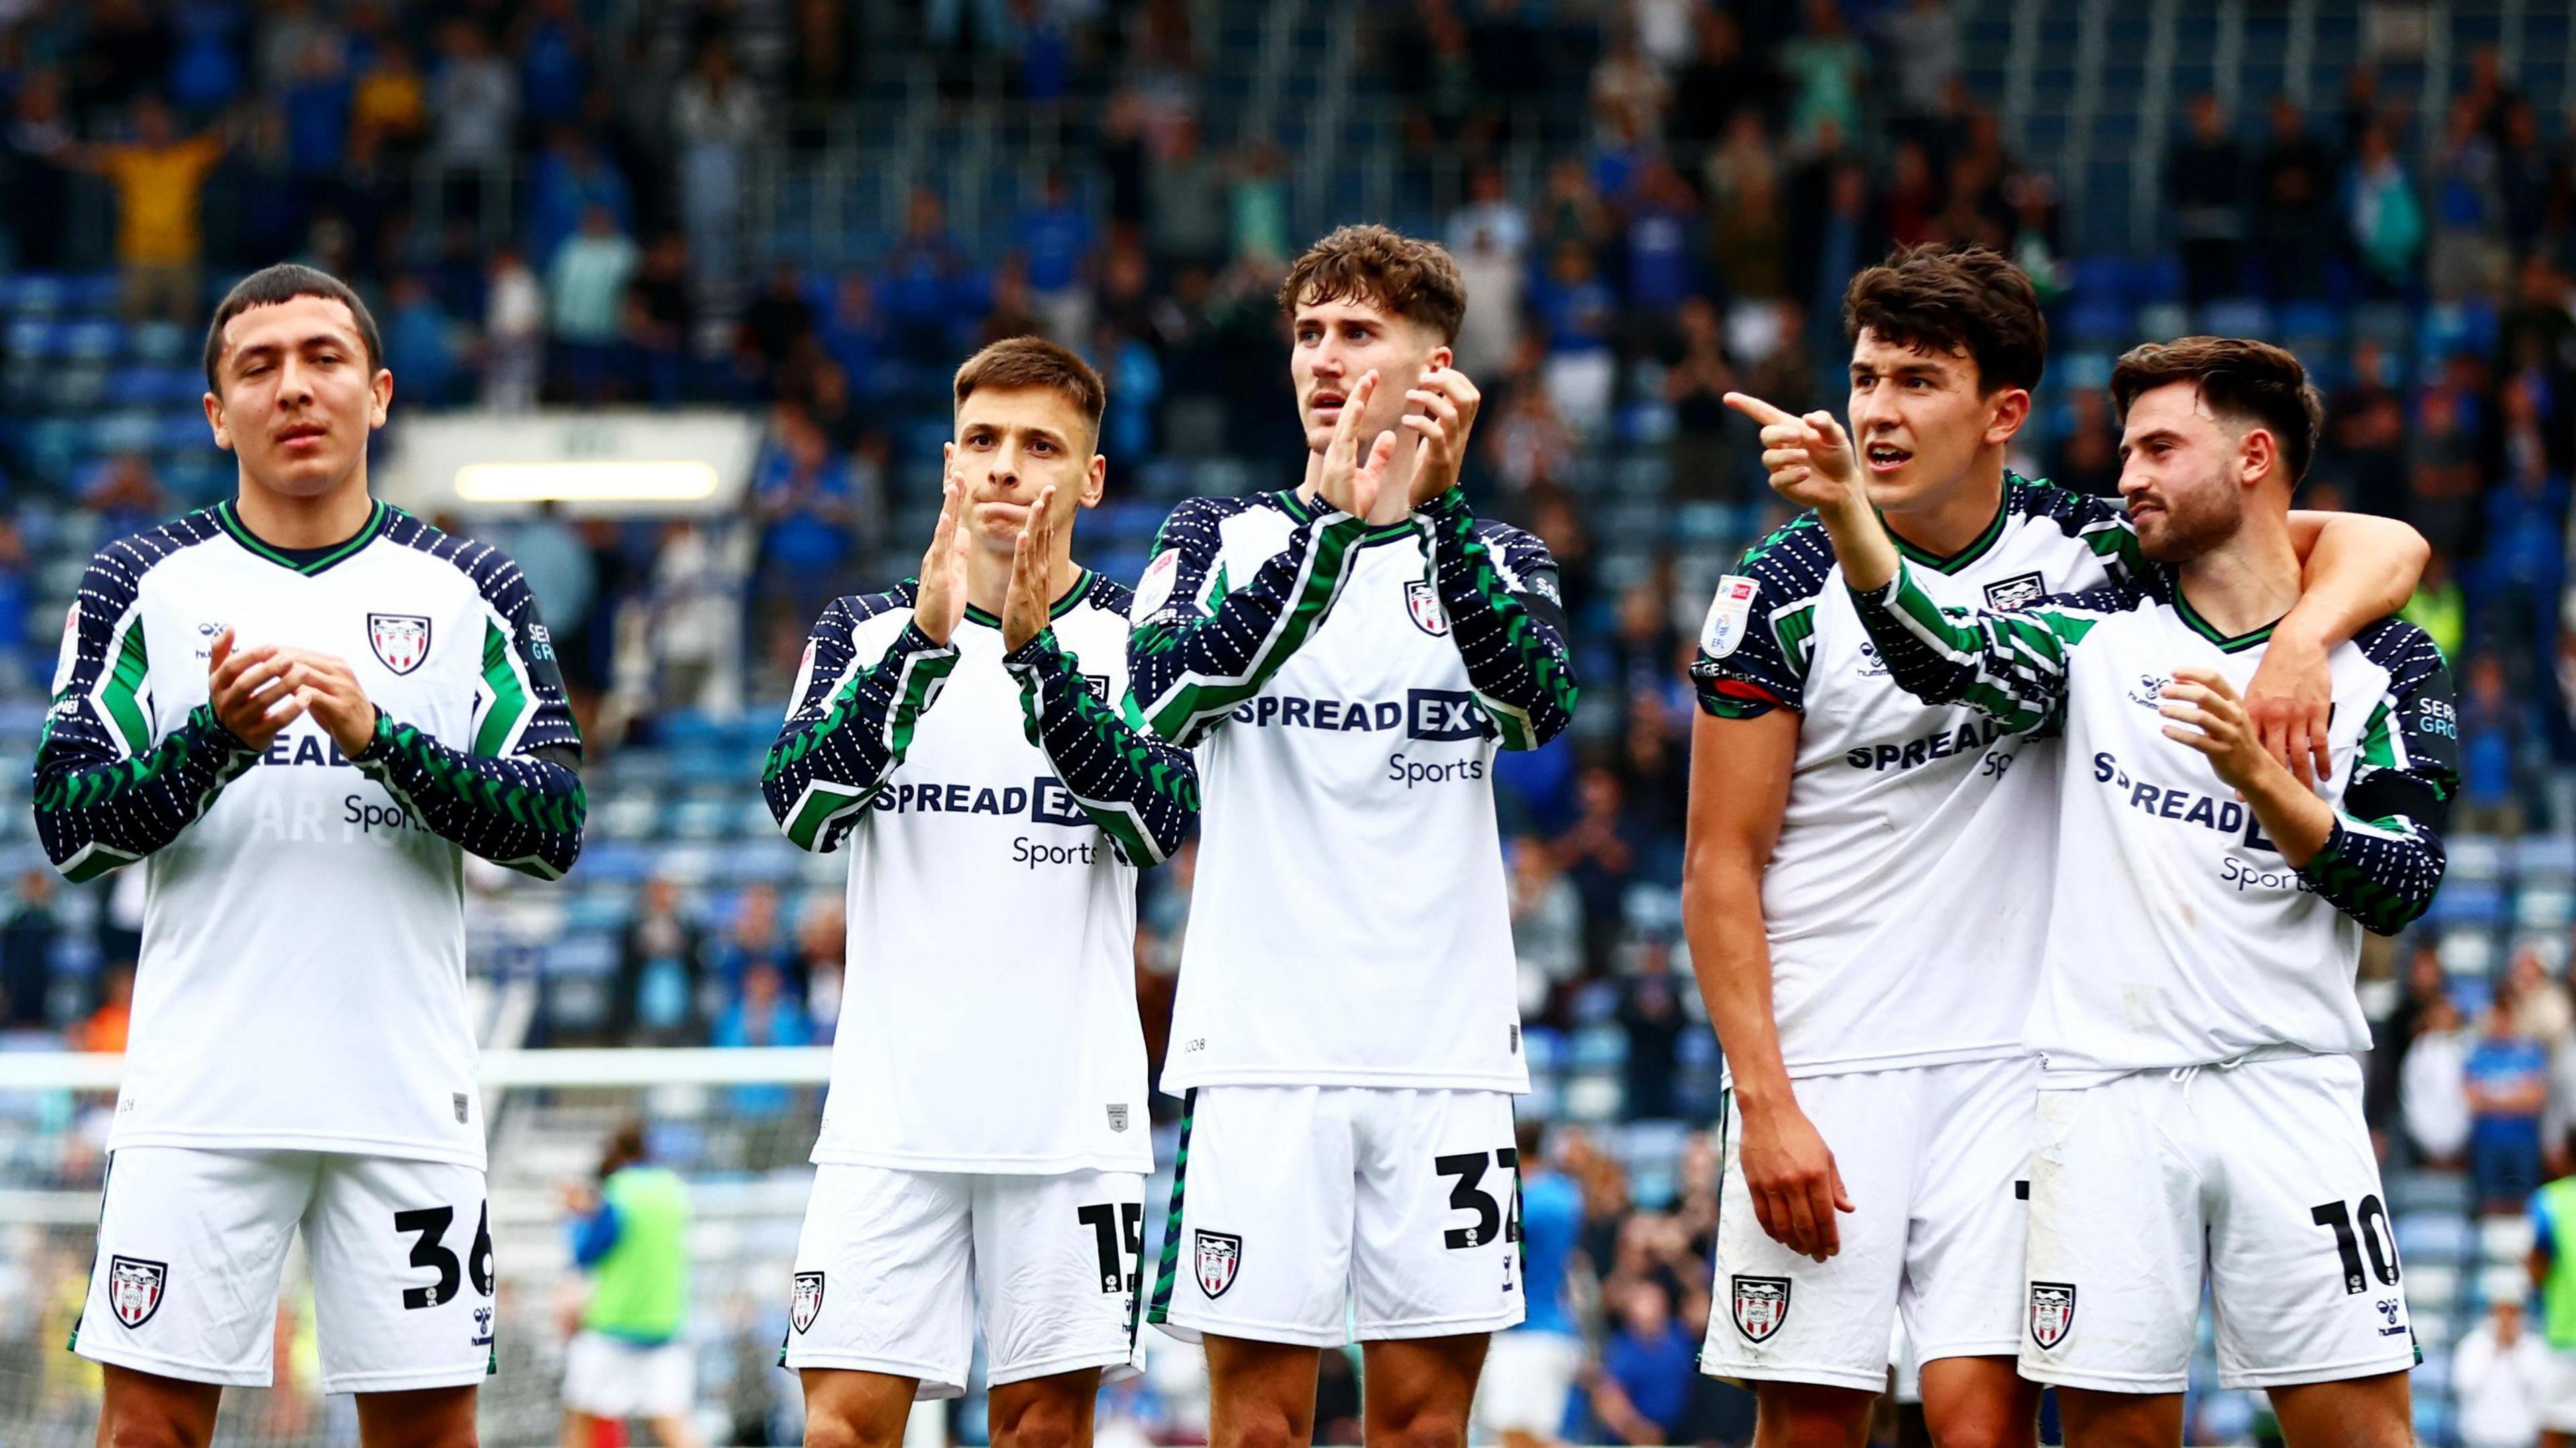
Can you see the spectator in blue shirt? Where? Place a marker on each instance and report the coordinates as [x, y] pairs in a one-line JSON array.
[[808, 503], [1662, 269], [1642, 1390], [1530, 1370], [764, 1015], [2508, 1077], [420, 343]]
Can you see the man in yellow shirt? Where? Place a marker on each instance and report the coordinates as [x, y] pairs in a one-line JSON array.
[[160, 237]]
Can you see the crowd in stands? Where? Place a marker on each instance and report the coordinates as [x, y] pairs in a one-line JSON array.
[[548, 210]]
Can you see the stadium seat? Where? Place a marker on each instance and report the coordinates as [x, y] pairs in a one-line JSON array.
[[2410, 1192], [2467, 902], [34, 293], [2163, 321], [163, 343], [2549, 858], [2472, 857], [2236, 317], [2099, 322], [2504, 1240], [2431, 1237]]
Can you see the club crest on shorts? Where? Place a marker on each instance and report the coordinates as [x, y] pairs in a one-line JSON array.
[[809, 1301], [1423, 602], [401, 640], [1217, 1256], [1761, 1305], [135, 1288], [2052, 1312]]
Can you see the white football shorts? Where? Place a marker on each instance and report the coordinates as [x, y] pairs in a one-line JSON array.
[[609, 1377], [1528, 1378], [2258, 1177], [191, 1241], [1297, 1210], [894, 1268], [1935, 1160]]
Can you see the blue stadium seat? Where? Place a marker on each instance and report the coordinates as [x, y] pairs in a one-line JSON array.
[[2473, 857], [615, 861], [93, 292], [2100, 321], [2311, 324], [164, 343], [100, 339], [2236, 317], [601, 910], [2428, 1191], [2103, 281], [1600, 1048], [2550, 858], [2467, 902], [2435, 1237], [1544, 1048], [34, 293]]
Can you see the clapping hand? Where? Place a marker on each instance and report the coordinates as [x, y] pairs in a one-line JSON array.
[[941, 601], [1025, 607], [1350, 483]]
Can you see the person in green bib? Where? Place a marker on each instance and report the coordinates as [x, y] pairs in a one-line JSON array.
[[2553, 1271], [628, 1359]]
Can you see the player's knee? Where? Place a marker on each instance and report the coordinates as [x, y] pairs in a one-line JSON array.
[[1819, 1418], [1046, 1423], [146, 1430], [1258, 1429], [1982, 1430], [1430, 1429]]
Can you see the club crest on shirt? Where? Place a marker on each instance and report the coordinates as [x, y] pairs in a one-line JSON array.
[[1217, 1255], [1761, 1305], [809, 1301], [1423, 602], [135, 1288], [401, 640], [2019, 591], [1728, 614], [2052, 1312]]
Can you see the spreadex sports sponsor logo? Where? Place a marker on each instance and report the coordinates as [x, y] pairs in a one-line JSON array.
[[1434, 714], [1044, 800], [2228, 818], [1968, 738]]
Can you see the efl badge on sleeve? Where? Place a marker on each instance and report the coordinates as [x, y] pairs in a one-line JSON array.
[[1728, 614], [401, 640], [134, 1288], [1218, 1254], [809, 1301], [1423, 602], [1761, 1305], [2052, 1312], [1155, 588]]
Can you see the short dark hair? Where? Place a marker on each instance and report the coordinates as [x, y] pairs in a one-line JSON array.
[[1016, 362], [1413, 279], [284, 282], [1971, 300], [2239, 379]]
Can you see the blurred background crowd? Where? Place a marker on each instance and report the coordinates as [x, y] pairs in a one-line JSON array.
[[808, 211]]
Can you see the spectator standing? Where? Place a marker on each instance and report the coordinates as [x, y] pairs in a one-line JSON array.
[[1185, 197], [1825, 65], [764, 1015], [1490, 239], [2433, 1086], [1697, 377], [27, 956], [2508, 1089], [715, 118], [2501, 1373], [585, 300], [660, 994], [1580, 316], [1921, 39], [2205, 192], [629, 1358], [474, 100], [420, 343], [106, 1028], [1547, 926], [1530, 1369], [2387, 223], [514, 334], [1055, 238], [2553, 1272], [658, 324], [1650, 1012], [39, 144], [2468, 249], [2294, 190], [159, 178], [1649, 1367]]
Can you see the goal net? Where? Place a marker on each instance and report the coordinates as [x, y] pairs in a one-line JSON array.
[[736, 1124]]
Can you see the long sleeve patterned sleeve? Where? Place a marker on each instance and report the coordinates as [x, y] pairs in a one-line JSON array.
[[1141, 791], [106, 792], [851, 720], [2384, 859], [513, 793], [1498, 586], [2009, 666], [1202, 647]]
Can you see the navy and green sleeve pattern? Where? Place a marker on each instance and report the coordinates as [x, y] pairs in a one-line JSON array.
[[512, 793], [2010, 667], [1498, 586], [2101, 525], [1206, 643], [107, 793], [851, 719], [1142, 792], [2384, 859], [1754, 649]]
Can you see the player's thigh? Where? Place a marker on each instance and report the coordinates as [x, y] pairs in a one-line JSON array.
[[1963, 1293], [141, 1407], [1418, 1390], [190, 1243], [417, 1418], [2303, 1268], [1436, 1182], [2369, 1412], [2114, 1257], [851, 1408], [403, 1288], [1055, 1272], [1778, 1316], [1257, 1244], [1260, 1394], [1053, 1411], [884, 1277], [2094, 1419]]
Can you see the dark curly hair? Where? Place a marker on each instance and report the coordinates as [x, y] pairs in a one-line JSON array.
[[1939, 300], [1415, 280]]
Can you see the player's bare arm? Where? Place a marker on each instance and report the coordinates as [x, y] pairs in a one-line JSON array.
[[1740, 771], [2355, 570]]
